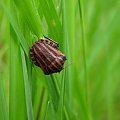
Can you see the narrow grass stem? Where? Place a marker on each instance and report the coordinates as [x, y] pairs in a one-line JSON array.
[[40, 103], [58, 93], [84, 57]]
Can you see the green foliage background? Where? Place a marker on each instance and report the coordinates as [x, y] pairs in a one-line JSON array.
[[88, 32]]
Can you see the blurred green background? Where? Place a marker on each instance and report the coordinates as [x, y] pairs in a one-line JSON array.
[[88, 32]]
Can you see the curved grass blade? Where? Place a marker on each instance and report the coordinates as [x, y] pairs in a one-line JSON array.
[[51, 17], [61, 109], [16, 89], [55, 96], [87, 97], [3, 104], [68, 11], [14, 24], [53, 91], [27, 88], [30, 15]]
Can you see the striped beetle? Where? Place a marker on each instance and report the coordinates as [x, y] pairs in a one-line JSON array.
[[46, 55]]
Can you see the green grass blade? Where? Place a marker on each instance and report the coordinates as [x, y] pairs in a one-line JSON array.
[[31, 15], [57, 25], [105, 37], [54, 25], [88, 34], [53, 91], [14, 24], [27, 88], [3, 104], [68, 8], [87, 97], [40, 103], [16, 90], [61, 101]]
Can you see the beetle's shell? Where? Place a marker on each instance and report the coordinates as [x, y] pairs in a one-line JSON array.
[[45, 54]]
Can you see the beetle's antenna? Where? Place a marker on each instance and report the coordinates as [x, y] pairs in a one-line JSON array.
[[51, 40], [46, 37]]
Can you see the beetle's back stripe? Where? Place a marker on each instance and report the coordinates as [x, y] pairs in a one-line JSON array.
[[47, 46], [54, 51], [44, 63], [55, 62], [48, 56], [40, 55], [50, 53], [40, 65], [44, 68], [40, 58], [57, 53]]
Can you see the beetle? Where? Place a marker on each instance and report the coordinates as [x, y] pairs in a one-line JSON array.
[[45, 54]]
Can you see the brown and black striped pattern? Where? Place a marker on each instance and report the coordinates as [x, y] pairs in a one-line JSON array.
[[45, 54]]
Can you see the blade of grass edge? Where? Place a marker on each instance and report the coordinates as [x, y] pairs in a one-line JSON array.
[[3, 104], [27, 88], [53, 87], [69, 45], [40, 103], [15, 27], [61, 95], [81, 11], [110, 96], [30, 15], [61, 109]]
